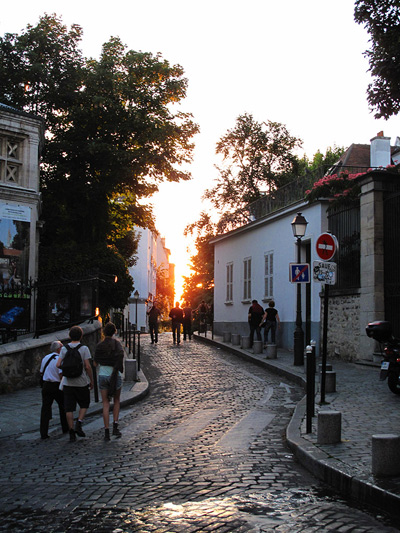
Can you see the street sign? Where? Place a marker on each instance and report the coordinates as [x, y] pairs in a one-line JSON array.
[[299, 273], [326, 246], [324, 272]]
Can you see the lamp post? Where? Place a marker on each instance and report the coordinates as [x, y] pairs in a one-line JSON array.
[[299, 226], [136, 296]]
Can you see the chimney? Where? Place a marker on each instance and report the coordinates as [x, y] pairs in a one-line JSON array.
[[380, 151]]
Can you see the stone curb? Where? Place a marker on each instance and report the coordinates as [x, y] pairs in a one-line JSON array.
[[324, 467]]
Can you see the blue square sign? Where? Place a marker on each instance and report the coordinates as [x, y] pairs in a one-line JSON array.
[[299, 273]]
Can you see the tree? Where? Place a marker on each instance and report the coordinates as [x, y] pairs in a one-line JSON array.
[[381, 18], [258, 157], [113, 135], [200, 284]]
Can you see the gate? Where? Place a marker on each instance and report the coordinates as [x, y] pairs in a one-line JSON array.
[[391, 244]]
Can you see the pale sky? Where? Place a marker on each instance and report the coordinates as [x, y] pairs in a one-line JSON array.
[[298, 63]]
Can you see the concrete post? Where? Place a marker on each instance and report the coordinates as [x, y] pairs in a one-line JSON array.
[[271, 351], [386, 455], [235, 339], [130, 370], [258, 346], [226, 336], [245, 342], [329, 428]]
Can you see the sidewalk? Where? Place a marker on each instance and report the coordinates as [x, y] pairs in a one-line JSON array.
[[20, 411], [367, 408]]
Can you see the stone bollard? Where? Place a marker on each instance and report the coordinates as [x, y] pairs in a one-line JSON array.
[[329, 430], [328, 367], [258, 346], [130, 369], [226, 336], [235, 339], [271, 351], [386, 455], [330, 381], [245, 342]]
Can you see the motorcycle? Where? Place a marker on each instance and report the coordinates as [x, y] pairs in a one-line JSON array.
[[381, 331]]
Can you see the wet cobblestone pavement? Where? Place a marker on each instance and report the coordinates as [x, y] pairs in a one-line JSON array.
[[205, 451]]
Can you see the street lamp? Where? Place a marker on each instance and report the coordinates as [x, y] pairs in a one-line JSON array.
[[299, 226], [136, 296]]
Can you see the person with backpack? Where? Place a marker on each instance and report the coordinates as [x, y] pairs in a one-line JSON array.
[[109, 356], [77, 380], [50, 382]]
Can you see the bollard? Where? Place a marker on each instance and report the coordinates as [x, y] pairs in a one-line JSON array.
[[245, 342], [130, 369], [386, 455], [271, 351], [310, 360], [330, 381], [329, 429], [328, 367], [235, 339], [258, 346], [226, 336]]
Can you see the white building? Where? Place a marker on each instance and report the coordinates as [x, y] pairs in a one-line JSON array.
[[152, 255], [252, 262]]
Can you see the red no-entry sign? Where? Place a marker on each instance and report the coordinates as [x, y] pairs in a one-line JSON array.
[[326, 246]]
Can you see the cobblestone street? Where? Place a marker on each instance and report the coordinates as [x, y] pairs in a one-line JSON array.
[[204, 451]]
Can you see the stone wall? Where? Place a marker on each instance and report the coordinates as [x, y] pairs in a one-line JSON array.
[[343, 327], [20, 361]]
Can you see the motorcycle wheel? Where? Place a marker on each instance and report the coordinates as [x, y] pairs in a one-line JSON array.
[[394, 383]]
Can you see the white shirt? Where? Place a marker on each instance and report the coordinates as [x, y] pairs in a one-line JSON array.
[[52, 373]]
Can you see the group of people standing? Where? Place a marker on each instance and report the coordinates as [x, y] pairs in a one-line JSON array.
[[68, 392], [260, 318], [180, 316]]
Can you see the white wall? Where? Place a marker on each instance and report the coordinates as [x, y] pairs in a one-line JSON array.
[[272, 234]]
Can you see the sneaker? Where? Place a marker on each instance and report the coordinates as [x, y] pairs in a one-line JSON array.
[[78, 429], [106, 434], [116, 432], [72, 436]]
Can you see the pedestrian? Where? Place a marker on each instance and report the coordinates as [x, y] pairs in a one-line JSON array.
[[271, 320], [51, 392], [255, 318], [154, 313], [109, 356], [76, 389], [202, 310], [176, 314], [187, 321]]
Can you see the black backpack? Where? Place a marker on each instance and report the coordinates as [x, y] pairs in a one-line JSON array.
[[72, 364]]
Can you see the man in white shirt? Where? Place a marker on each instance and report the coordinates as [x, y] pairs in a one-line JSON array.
[[51, 390]]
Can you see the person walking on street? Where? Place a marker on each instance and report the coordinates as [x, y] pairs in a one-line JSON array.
[[187, 321], [109, 356], [202, 310], [51, 390], [271, 320], [255, 318], [176, 314], [154, 313], [76, 389]]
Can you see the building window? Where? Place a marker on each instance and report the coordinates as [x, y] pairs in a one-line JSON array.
[[268, 275], [247, 279], [10, 162], [229, 282]]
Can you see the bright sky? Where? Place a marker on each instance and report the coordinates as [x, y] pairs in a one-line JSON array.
[[298, 63]]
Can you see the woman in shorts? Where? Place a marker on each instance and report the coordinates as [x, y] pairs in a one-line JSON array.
[[108, 357]]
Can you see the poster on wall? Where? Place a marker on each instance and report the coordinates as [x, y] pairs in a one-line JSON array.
[[14, 244]]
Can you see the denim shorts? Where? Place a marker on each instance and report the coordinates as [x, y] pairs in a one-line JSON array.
[[104, 382]]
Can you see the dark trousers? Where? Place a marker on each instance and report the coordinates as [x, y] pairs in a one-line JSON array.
[[257, 329], [176, 332], [51, 392], [270, 326], [187, 330], [153, 326]]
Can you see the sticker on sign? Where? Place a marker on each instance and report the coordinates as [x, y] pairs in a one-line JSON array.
[[324, 272]]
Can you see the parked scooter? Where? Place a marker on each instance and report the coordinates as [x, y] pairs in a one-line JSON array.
[[381, 331]]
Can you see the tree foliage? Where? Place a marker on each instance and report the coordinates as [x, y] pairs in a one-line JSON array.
[[258, 157], [381, 18], [113, 135]]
